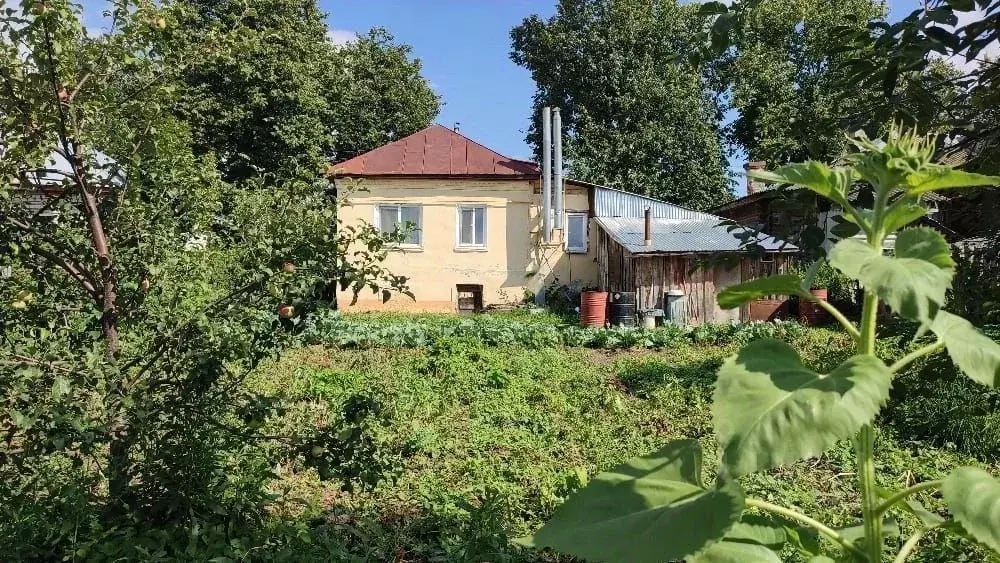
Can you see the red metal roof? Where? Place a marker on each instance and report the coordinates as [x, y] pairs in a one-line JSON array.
[[434, 151]]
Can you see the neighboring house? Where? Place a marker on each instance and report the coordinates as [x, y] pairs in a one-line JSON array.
[[760, 210], [478, 239]]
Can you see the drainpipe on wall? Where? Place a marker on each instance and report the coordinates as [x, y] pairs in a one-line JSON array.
[[546, 174], [557, 171], [648, 238]]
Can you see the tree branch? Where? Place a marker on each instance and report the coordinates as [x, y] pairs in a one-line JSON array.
[[75, 270], [71, 269]]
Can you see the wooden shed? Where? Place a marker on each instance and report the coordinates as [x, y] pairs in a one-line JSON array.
[[658, 255]]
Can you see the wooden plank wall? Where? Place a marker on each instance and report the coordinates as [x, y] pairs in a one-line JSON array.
[[614, 264], [651, 276]]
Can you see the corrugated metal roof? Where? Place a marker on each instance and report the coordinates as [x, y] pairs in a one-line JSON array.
[[609, 202], [681, 236], [434, 151]]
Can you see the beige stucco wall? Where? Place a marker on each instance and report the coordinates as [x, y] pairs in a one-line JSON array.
[[513, 261]]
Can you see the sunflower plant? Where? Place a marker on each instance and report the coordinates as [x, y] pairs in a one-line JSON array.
[[770, 409]]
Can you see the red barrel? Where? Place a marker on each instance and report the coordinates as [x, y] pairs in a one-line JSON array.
[[811, 313], [593, 308]]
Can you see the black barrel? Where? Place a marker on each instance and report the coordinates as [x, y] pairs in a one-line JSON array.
[[622, 297], [622, 314]]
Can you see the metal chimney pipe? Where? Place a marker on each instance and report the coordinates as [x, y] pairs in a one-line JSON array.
[[557, 171], [649, 228], [546, 174]]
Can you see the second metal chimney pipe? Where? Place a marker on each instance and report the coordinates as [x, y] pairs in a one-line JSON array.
[[557, 172], [546, 174], [649, 228]]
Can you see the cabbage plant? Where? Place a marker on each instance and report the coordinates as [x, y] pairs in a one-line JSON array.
[[770, 409]]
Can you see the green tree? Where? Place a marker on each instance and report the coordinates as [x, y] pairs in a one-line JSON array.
[[139, 288], [788, 82], [895, 68], [636, 116], [377, 94], [267, 92]]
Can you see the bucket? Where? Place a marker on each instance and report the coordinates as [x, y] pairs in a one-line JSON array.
[[593, 308], [675, 307], [649, 318]]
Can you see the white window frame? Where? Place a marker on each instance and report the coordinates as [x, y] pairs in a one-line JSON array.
[[399, 216], [459, 245], [586, 233]]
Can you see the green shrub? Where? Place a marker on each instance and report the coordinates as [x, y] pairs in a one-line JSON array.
[[403, 331]]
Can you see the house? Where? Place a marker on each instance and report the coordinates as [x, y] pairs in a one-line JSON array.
[[480, 236], [764, 209], [477, 218]]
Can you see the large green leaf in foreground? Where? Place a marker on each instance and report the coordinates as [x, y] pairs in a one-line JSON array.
[[913, 282], [769, 409], [751, 540], [973, 352], [937, 177], [831, 183], [727, 551], [973, 497], [650, 509], [736, 295]]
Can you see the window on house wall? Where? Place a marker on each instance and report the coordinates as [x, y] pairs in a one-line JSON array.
[[472, 226], [576, 232], [405, 218]]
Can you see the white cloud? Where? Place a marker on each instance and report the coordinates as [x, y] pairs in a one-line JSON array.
[[341, 36]]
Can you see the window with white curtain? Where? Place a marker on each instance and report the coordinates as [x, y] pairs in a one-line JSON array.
[[404, 218], [576, 232], [472, 226]]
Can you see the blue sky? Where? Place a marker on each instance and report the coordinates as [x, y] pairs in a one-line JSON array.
[[464, 46]]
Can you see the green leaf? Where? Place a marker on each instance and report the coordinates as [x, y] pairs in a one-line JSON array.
[[756, 529], [769, 409], [735, 552], [924, 243], [977, 355], [973, 497], [938, 177], [831, 183], [913, 282], [651, 508], [60, 387], [736, 295], [845, 230], [849, 255], [902, 214]]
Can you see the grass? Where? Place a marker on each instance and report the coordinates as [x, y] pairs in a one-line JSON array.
[[477, 445]]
